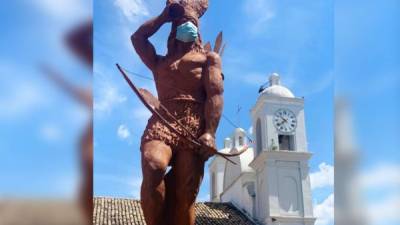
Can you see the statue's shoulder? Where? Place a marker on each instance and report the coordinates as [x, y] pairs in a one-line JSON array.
[[213, 57]]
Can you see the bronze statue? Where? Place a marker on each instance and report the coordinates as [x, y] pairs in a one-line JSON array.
[[189, 83]]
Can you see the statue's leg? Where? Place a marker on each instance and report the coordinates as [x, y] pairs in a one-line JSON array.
[[187, 171], [155, 159]]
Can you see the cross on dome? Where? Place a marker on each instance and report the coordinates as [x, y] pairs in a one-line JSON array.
[[275, 89], [274, 79]]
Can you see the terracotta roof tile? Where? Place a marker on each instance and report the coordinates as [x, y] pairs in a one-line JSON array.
[[114, 211]]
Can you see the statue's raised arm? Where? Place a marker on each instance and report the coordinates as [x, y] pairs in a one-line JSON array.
[[140, 39]]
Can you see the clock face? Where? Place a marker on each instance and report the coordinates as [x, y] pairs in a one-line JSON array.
[[285, 121]]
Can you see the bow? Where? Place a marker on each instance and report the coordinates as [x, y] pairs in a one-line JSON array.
[[154, 105]]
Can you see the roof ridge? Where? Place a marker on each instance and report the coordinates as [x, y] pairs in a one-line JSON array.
[[245, 214], [115, 198]]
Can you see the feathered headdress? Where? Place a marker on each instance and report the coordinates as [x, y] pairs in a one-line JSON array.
[[194, 8]]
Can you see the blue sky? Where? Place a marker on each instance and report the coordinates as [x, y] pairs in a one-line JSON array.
[[292, 39], [40, 124]]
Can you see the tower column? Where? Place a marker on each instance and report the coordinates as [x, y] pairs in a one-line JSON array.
[[283, 183]]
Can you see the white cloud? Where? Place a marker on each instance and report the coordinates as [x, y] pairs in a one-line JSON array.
[[141, 114], [20, 100], [373, 195], [50, 132], [317, 86], [107, 98], [139, 117], [260, 12], [324, 211], [322, 178], [385, 211], [250, 130], [132, 8], [65, 9], [123, 132], [78, 115], [106, 93], [382, 176]]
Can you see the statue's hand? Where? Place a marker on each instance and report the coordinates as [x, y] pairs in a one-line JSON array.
[[208, 142], [165, 15]]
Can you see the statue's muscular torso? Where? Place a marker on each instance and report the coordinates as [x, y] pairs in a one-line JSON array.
[[181, 89], [181, 77]]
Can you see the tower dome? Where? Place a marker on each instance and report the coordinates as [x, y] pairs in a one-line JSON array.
[[275, 88]]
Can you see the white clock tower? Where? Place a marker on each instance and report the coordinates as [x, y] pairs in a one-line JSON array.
[[283, 192]]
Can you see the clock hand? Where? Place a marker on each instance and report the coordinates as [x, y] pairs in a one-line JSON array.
[[283, 119], [281, 123]]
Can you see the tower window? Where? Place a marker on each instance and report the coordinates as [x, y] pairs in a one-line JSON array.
[[227, 143], [258, 136], [241, 141], [286, 142], [213, 184]]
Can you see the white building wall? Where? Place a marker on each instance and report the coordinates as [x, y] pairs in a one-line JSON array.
[[217, 167], [284, 192], [307, 192], [265, 109], [219, 177], [262, 198], [239, 196], [280, 178]]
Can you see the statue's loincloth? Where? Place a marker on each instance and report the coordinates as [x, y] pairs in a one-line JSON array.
[[190, 113]]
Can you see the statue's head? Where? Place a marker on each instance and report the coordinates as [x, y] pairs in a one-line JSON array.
[[187, 9], [185, 21]]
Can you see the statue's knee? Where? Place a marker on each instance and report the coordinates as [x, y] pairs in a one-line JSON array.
[[154, 162], [155, 156]]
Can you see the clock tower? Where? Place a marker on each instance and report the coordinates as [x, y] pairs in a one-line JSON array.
[[281, 157]]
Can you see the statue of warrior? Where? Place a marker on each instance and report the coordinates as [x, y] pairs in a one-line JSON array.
[[189, 83]]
